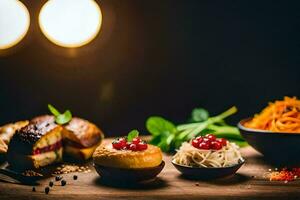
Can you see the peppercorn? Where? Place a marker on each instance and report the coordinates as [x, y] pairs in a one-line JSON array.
[[47, 189], [75, 177], [58, 178], [33, 189], [63, 183], [51, 184]]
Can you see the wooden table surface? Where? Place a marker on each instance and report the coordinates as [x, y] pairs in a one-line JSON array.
[[248, 183]]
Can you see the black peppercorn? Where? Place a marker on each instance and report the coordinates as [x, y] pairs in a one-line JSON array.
[[50, 183], [63, 183], [58, 178], [75, 177], [47, 189], [33, 189]]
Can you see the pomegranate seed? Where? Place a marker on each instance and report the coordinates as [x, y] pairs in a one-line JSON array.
[[142, 146], [133, 147], [216, 145], [203, 145], [128, 145], [222, 141], [199, 138], [136, 140], [206, 140], [211, 137], [195, 143], [122, 142], [116, 145]]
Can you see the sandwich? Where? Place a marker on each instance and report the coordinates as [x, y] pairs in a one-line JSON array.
[[43, 142], [81, 138], [36, 145]]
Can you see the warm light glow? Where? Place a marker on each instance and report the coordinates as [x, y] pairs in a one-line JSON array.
[[14, 22], [70, 23]]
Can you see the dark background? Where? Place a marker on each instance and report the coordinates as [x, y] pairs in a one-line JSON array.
[[158, 57]]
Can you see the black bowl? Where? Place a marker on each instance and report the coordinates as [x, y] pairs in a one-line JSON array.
[[203, 173], [131, 175], [279, 148]]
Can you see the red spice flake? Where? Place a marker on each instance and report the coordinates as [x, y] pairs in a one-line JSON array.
[[285, 174]]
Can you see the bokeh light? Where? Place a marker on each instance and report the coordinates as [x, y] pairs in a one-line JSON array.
[[70, 23], [14, 22]]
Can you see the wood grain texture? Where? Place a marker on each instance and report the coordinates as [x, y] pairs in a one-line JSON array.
[[248, 183]]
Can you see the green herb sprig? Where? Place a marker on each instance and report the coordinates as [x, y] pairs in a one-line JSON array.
[[169, 137], [132, 134], [61, 119]]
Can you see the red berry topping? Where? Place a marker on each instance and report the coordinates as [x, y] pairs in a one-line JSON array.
[[204, 145], [195, 143], [211, 137], [136, 140], [128, 145], [142, 146], [133, 147], [116, 145], [209, 141], [222, 141], [199, 138], [122, 142], [206, 140], [119, 143], [216, 145], [136, 145]]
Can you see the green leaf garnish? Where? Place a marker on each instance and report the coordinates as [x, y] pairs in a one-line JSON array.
[[53, 110], [132, 134], [64, 118], [60, 118], [158, 125]]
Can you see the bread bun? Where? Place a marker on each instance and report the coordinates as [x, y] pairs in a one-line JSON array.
[[107, 156]]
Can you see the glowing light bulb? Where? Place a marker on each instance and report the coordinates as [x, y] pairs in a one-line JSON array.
[[70, 23], [14, 22]]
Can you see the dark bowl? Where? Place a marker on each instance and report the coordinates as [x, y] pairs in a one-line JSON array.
[[131, 175], [208, 173], [278, 148]]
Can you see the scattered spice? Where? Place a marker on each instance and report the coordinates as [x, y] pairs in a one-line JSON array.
[[47, 190], [31, 173], [285, 174], [197, 184], [75, 177], [63, 182], [65, 169], [58, 178], [51, 184], [33, 189]]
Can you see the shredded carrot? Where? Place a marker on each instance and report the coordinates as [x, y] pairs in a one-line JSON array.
[[280, 116]]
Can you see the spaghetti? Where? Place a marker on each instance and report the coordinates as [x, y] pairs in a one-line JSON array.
[[188, 155], [280, 116]]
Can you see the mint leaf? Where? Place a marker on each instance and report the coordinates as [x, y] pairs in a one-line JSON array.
[[158, 125], [132, 134], [60, 118], [64, 118], [53, 110]]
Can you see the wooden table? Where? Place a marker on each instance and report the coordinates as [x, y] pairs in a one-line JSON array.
[[248, 183]]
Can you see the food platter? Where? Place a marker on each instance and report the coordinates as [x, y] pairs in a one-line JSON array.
[[210, 152]]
